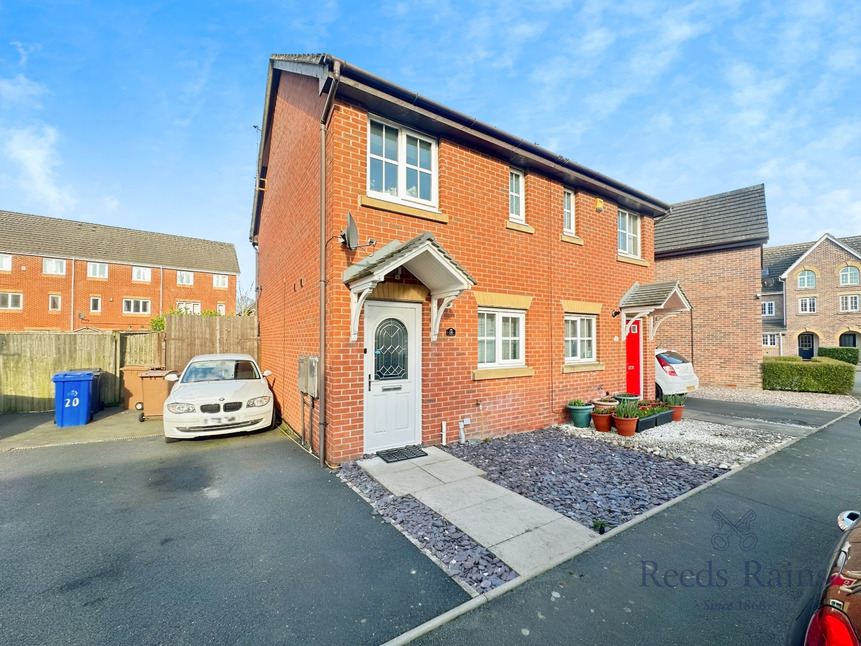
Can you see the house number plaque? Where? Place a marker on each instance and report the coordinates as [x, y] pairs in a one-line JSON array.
[[450, 331]]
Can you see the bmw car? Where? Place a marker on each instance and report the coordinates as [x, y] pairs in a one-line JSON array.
[[218, 394]]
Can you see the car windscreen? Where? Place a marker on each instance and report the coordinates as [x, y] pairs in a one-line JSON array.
[[220, 370], [672, 357]]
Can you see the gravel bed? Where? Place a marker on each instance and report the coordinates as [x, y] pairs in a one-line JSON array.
[[693, 442], [811, 401], [464, 559], [584, 479]]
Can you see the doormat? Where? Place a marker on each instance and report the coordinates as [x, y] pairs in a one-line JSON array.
[[406, 453]]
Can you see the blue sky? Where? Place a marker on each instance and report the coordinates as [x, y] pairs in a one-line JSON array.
[[140, 114]]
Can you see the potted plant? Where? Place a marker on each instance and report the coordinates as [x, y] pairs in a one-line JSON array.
[[677, 403], [664, 415], [602, 419], [605, 402], [646, 419], [626, 398], [625, 418], [579, 411]]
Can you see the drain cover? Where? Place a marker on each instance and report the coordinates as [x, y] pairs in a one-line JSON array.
[[406, 453]]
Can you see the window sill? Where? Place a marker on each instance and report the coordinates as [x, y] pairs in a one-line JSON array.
[[591, 366], [571, 239], [403, 209], [631, 260], [808, 313], [516, 226], [501, 373]]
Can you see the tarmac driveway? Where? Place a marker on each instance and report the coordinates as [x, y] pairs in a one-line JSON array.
[[239, 540]]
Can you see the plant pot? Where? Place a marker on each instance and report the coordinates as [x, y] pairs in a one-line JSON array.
[[625, 426], [664, 417], [602, 423], [580, 415], [650, 421], [599, 404], [677, 412], [626, 399]]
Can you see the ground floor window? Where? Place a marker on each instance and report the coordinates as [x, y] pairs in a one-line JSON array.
[[849, 303], [54, 302], [135, 306], [579, 338], [500, 338], [95, 304], [187, 307], [221, 308], [848, 340], [10, 301], [769, 340]]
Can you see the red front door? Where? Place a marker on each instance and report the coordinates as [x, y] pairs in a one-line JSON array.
[[633, 359]]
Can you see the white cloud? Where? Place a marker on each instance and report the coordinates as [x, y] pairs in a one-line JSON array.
[[24, 51], [19, 90]]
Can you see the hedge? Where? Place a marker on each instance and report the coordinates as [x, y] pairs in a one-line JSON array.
[[849, 355], [819, 375]]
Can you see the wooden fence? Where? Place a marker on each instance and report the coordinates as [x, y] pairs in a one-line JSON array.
[[28, 360]]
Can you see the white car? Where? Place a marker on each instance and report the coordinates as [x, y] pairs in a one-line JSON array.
[[218, 394], [674, 374]]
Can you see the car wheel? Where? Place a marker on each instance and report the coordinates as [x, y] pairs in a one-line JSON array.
[[170, 440], [659, 393]]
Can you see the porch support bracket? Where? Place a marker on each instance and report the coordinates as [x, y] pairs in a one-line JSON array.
[[358, 295], [438, 304]]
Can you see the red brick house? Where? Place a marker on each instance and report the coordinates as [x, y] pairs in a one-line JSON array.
[[713, 247], [483, 283], [64, 275]]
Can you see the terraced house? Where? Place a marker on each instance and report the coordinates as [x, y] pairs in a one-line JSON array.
[[444, 274], [63, 275], [811, 296]]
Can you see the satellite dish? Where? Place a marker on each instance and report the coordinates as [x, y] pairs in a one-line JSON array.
[[350, 235]]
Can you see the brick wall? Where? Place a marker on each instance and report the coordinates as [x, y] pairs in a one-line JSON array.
[[75, 289], [726, 347]]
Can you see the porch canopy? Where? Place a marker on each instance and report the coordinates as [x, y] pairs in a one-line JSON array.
[[656, 303], [425, 259]]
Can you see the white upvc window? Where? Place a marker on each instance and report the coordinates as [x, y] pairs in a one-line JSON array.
[[769, 340], [629, 233], [185, 278], [97, 270], [579, 338], [135, 306], [516, 184], [5, 262], [55, 266], [768, 308], [849, 276], [849, 303], [500, 338], [807, 305], [568, 224], [54, 302], [142, 274], [95, 304], [11, 301], [220, 280], [806, 278], [188, 307], [221, 308], [402, 164]]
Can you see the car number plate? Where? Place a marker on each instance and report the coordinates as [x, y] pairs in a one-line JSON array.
[[691, 388], [218, 421]]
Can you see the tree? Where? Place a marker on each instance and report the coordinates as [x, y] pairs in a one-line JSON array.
[[246, 300]]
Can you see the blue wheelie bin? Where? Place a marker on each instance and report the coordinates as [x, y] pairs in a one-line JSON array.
[[72, 391]]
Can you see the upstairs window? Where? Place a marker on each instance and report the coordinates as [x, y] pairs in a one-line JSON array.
[[5, 262], [568, 213], [768, 308], [849, 276], [769, 340], [219, 280], [807, 305], [142, 274], [97, 270], [54, 266], [849, 303], [629, 233], [185, 278], [806, 279], [401, 164], [515, 197]]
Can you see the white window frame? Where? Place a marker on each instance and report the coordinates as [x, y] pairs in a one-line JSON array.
[[628, 238], [401, 166], [221, 308], [98, 302], [185, 278], [142, 274], [845, 274], [55, 303], [54, 266], [806, 274], [769, 340], [850, 303], [220, 281], [143, 305], [94, 270], [5, 262], [188, 307], [578, 339], [499, 341], [516, 196], [569, 212], [10, 298], [807, 305], [768, 308]]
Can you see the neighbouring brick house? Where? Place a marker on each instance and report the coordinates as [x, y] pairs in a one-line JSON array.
[[810, 296], [487, 281], [713, 247], [64, 275]]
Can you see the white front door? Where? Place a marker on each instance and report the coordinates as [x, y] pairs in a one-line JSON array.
[[392, 379]]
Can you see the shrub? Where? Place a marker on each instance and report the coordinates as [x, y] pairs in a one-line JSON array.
[[674, 400], [819, 375], [577, 402], [847, 355], [603, 411], [627, 410]]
